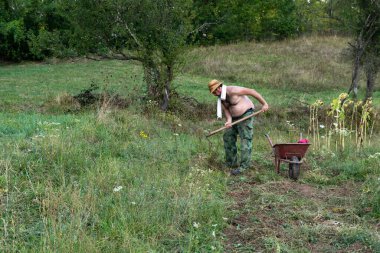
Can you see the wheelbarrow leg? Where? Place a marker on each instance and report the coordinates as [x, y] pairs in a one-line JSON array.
[[277, 162]]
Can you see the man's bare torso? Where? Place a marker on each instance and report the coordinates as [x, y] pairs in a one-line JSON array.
[[237, 104]]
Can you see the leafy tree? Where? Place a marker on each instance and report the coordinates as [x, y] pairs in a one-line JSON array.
[[312, 16], [12, 30], [32, 29], [238, 20], [152, 32]]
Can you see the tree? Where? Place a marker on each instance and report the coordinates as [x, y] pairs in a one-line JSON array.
[[151, 32], [32, 29], [362, 19], [372, 64], [240, 20]]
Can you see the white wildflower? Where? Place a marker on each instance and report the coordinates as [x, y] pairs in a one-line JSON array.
[[117, 188], [196, 225], [374, 156], [322, 126], [133, 203]]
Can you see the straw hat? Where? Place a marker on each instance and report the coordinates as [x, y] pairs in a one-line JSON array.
[[213, 85]]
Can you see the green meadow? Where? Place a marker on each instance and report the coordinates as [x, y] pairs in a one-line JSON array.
[[119, 175]]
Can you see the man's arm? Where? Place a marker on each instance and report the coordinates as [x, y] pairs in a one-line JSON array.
[[228, 116], [251, 92]]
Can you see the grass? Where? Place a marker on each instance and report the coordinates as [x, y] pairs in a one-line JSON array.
[[61, 177], [104, 179], [304, 69], [27, 86]]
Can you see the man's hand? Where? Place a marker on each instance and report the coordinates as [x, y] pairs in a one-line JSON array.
[[265, 107], [228, 124]]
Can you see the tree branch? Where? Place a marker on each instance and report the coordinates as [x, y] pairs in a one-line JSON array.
[[116, 56], [200, 28], [119, 20]]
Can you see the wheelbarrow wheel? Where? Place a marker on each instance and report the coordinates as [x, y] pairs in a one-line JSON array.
[[294, 168]]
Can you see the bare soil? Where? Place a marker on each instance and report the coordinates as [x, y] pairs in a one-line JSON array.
[[290, 216]]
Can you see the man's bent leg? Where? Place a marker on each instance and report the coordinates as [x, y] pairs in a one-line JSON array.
[[246, 134], [230, 138]]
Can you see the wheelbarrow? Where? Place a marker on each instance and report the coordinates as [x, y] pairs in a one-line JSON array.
[[291, 153]]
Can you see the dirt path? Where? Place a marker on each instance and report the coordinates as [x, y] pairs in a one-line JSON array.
[[288, 216]]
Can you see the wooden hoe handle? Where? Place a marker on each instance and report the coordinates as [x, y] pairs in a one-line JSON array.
[[233, 123]]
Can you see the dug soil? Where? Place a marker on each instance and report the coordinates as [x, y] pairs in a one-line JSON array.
[[291, 216]]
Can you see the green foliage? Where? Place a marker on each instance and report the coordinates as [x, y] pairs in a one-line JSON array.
[[152, 32], [33, 30], [36, 29], [312, 16], [12, 37], [228, 21]]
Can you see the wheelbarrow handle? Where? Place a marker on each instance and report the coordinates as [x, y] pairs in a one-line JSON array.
[[269, 139], [233, 123]]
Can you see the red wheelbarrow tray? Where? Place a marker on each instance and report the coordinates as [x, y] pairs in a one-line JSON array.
[[285, 151]]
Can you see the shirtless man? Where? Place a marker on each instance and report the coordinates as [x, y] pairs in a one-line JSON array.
[[236, 105]]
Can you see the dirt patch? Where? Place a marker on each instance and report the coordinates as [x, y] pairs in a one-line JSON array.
[[290, 216]]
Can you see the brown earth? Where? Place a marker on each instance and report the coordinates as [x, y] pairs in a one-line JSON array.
[[287, 216]]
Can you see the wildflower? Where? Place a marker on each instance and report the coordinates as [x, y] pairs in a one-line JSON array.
[[319, 102], [366, 189], [213, 248], [117, 188], [343, 96], [179, 125], [374, 156], [143, 134], [176, 134], [133, 203], [196, 225], [213, 233], [322, 126]]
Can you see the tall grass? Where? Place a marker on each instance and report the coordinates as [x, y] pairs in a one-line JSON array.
[[75, 184], [303, 69]]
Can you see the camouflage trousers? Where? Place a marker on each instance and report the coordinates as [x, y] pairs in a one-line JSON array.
[[245, 131]]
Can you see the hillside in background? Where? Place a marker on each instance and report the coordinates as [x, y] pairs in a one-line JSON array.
[[308, 66]]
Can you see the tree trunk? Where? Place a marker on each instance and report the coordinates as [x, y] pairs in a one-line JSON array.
[[166, 92], [152, 77], [158, 80], [355, 72], [355, 76], [364, 38], [370, 84]]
